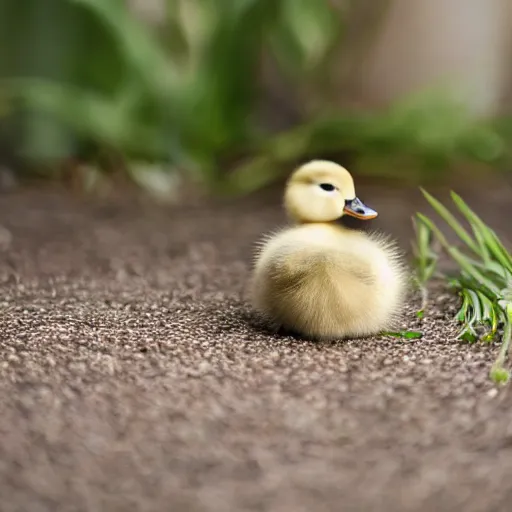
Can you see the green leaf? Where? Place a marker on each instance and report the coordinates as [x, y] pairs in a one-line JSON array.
[[434, 229], [425, 258], [87, 113], [468, 335], [486, 235], [147, 60], [476, 305], [500, 375], [305, 32], [472, 271], [489, 312], [452, 222], [460, 258]]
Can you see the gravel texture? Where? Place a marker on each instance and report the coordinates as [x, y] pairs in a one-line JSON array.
[[134, 377]]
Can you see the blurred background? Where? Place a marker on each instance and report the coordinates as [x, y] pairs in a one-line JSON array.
[[229, 94]]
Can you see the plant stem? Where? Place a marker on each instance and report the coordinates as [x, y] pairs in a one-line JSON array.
[[424, 297], [504, 345], [497, 367]]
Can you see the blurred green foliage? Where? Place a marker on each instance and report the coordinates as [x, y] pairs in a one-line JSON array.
[[80, 77]]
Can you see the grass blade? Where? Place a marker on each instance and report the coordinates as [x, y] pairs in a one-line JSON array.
[[487, 235], [460, 258], [472, 271], [449, 218], [426, 259], [476, 305]]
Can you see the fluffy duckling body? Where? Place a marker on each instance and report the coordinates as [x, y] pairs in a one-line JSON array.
[[320, 279]]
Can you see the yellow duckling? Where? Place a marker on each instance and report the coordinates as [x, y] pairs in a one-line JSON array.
[[320, 279]]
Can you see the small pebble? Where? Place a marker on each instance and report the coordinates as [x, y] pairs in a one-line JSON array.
[[492, 393]]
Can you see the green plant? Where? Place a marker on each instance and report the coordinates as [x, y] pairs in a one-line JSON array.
[[484, 278], [428, 128], [184, 93], [425, 261], [82, 74]]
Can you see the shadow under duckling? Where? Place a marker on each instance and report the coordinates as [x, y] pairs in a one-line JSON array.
[[322, 280]]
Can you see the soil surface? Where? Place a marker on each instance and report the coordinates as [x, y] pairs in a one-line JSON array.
[[134, 376]]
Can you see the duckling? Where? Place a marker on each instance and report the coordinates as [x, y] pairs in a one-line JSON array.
[[322, 280]]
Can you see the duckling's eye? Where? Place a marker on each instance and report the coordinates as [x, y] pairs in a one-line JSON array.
[[327, 187]]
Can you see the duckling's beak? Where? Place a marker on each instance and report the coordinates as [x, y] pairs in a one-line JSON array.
[[356, 208]]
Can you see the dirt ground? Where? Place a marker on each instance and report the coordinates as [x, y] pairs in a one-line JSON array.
[[134, 377]]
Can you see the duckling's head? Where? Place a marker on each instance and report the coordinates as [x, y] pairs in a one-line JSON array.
[[323, 191]]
